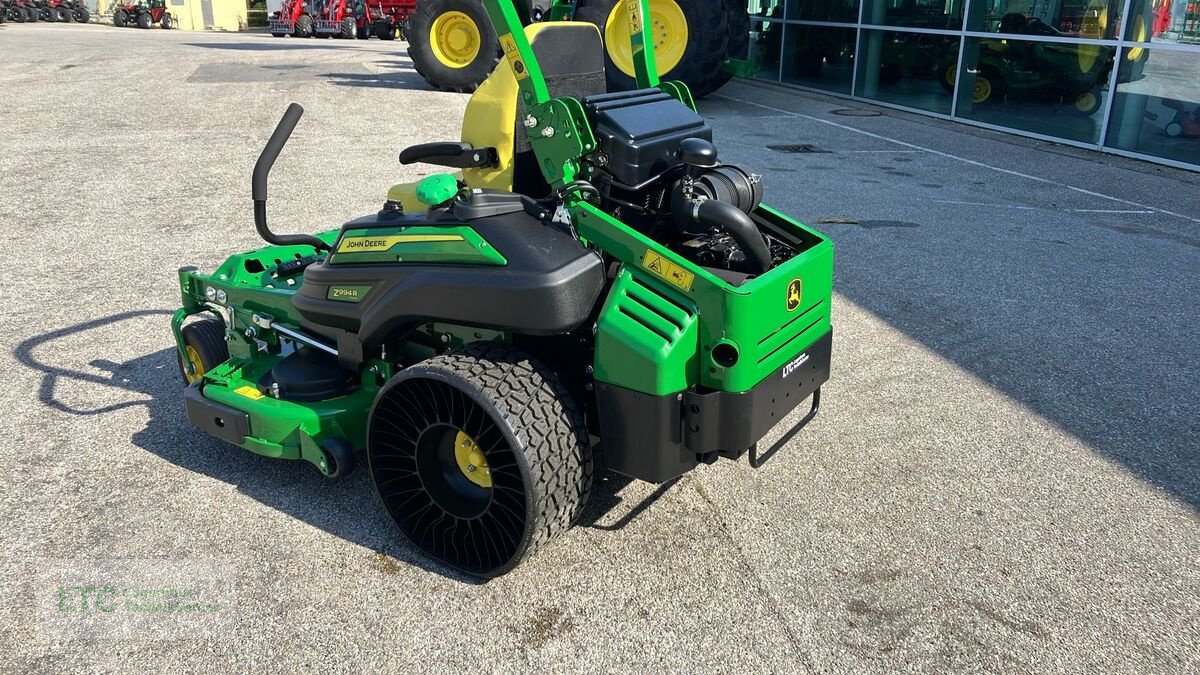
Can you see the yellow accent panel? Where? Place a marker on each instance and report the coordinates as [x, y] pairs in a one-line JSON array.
[[377, 244]]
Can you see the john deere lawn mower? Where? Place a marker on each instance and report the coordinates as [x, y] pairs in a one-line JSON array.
[[586, 274]]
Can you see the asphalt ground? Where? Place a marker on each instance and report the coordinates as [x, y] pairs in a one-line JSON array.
[[1003, 476]]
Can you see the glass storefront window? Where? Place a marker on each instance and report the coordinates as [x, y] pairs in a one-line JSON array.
[[818, 56], [910, 69], [766, 9], [843, 11], [1156, 110], [1169, 21], [939, 14], [766, 38], [1044, 87], [1096, 19]]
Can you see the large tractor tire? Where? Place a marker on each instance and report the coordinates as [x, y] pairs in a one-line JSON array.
[[739, 44], [167, 22], [691, 40], [17, 14], [47, 14], [452, 44], [144, 20], [481, 456], [81, 15], [120, 18], [62, 14], [31, 14], [303, 27]]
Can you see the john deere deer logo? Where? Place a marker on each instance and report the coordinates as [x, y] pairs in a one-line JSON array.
[[793, 295]]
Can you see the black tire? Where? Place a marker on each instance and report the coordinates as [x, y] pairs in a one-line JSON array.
[[18, 14], [81, 15], [384, 30], [47, 14], [438, 74], [707, 43], [348, 28], [31, 14], [739, 44], [62, 14], [362, 32], [303, 27], [513, 416], [207, 339], [144, 21], [120, 18], [166, 21]]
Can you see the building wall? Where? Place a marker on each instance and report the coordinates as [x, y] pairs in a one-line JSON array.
[[1120, 76], [220, 15]]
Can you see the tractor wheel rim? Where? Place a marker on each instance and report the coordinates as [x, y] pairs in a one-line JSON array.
[[668, 29], [197, 365], [455, 39], [982, 90], [1085, 102], [1139, 35]]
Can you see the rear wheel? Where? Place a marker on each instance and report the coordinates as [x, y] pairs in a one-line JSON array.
[[18, 14], [166, 21], [144, 21], [47, 14], [62, 15], [452, 44], [348, 28], [481, 456], [303, 27], [691, 40], [120, 18], [204, 348], [81, 15], [31, 14]]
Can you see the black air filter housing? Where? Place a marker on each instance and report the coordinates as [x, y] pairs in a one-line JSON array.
[[640, 130]]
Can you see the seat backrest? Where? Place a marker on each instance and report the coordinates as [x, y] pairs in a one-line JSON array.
[[571, 57]]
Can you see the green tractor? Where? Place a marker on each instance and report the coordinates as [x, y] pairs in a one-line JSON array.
[[702, 43], [587, 288]]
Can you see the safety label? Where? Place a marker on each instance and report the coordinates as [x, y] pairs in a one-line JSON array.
[[674, 274]]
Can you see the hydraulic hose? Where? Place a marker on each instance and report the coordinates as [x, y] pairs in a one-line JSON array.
[[731, 219]]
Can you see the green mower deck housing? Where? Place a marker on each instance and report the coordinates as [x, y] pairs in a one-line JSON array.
[[639, 293]]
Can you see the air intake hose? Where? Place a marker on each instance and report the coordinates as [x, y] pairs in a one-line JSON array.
[[729, 218]]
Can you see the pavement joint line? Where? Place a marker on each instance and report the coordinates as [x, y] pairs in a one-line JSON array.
[[972, 162]]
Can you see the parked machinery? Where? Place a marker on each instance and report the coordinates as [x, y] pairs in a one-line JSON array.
[[385, 19], [20, 11], [143, 14], [294, 18]]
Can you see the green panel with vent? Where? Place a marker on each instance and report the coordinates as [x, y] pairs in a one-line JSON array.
[[648, 337]]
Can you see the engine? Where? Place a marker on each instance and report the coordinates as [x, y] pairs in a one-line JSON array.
[[657, 170]]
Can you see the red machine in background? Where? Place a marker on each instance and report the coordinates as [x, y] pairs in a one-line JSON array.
[[385, 19], [294, 18], [142, 13]]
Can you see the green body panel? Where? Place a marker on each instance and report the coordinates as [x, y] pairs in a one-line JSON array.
[[418, 243], [753, 317], [289, 429], [646, 336]]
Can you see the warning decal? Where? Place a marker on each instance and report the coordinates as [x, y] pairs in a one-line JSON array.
[[674, 274], [514, 56], [634, 9], [249, 392]]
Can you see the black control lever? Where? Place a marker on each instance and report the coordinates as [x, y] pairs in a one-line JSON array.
[[258, 183]]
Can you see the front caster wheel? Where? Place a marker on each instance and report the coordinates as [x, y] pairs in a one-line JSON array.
[[481, 456], [204, 348]]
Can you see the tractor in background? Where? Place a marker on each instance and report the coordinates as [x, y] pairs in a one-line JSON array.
[[143, 14], [295, 18], [385, 19]]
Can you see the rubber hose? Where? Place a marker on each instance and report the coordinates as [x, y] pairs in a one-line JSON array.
[[729, 218]]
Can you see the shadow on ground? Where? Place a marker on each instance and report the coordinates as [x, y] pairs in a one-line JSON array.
[[347, 508], [279, 45], [395, 75]]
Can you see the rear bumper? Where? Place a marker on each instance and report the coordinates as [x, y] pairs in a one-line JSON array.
[[656, 438]]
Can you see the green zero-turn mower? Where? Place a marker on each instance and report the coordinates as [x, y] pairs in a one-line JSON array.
[[591, 277]]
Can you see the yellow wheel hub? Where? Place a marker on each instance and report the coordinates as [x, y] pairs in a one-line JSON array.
[[1086, 102], [193, 358], [951, 75], [982, 90], [455, 39], [668, 30], [471, 460], [1139, 35]]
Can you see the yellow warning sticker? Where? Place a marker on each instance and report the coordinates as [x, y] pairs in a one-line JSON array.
[[514, 56], [249, 392], [674, 274], [634, 9], [376, 244]]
